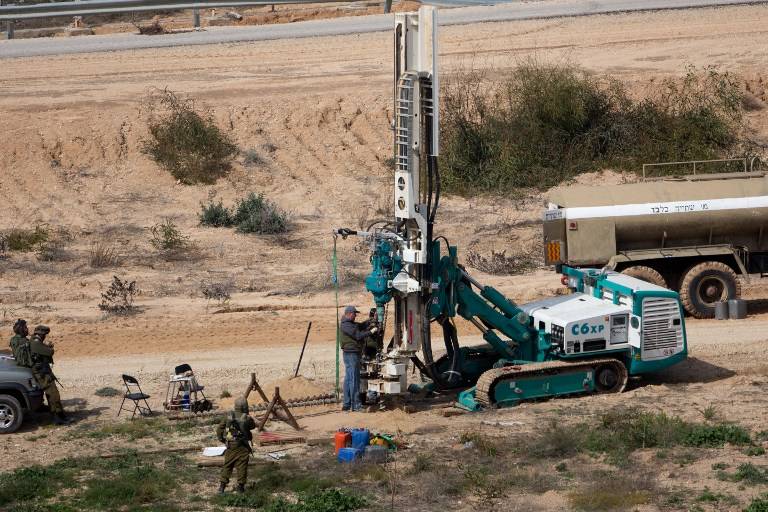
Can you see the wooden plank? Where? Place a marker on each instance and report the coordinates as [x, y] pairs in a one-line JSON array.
[[270, 438]]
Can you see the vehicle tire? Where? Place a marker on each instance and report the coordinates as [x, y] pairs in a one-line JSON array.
[[705, 284], [646, 274], [11, 414]]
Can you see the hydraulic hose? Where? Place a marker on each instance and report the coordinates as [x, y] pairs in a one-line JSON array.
[[452, 351]]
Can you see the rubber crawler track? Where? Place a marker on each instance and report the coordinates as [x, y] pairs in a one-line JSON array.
[[488, 381]]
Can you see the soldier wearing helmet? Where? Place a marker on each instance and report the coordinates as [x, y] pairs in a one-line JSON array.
[[235, 433], [19, 339], [42, 359]]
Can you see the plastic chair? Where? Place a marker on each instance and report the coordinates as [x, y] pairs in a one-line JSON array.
[[134, 393]]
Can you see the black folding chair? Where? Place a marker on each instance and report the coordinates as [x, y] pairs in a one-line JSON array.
[[134, 393]]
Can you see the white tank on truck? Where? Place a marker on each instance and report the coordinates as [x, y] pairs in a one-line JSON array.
[[696, 234]]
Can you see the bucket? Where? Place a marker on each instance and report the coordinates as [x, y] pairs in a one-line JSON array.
[[342, 440], [360, 438], [347, 455], [737, 309], [721, 310]]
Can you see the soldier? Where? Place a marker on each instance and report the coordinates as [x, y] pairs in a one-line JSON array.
[[19, 339], [235, 433], [42, 359]]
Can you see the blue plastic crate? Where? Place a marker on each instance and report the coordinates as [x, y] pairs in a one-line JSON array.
[[349, 454]]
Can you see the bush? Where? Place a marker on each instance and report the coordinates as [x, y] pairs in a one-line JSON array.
[[252, 158], [747, 473], [758, 504], [166, 237], [185, 141], [215, 215], [623, 430], [26, 240], [220, 291], [118, 299], [545, 123], [256, 214]]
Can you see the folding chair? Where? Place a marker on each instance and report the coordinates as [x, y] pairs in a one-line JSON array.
[[131, 384]]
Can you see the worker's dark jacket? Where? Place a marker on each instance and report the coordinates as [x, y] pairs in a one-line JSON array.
[[42, 355], [353, 334]]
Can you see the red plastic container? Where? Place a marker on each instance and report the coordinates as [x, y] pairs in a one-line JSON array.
[[342, 440]]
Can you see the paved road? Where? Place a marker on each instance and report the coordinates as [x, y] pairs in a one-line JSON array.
[[351, 25]]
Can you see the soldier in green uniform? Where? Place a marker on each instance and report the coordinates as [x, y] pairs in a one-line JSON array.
[[19, 339], [235, 433], [42, 359]]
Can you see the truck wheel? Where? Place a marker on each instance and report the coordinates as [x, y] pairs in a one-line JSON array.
[[646, 274], [11, 414], [705, 284]]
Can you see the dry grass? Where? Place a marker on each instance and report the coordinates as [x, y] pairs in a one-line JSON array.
[[613, 491], [102, 255], [499, 264]]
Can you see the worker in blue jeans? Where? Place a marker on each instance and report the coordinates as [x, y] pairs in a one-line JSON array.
[[352, 337]]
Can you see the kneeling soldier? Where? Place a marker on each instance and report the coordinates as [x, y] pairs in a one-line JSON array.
[[235, 433]]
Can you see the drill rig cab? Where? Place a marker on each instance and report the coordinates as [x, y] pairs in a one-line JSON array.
[[611, 326]]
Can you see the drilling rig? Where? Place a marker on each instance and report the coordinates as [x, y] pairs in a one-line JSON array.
[[611, 326]]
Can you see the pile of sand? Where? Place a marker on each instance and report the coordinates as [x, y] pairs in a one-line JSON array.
[[297, 387]]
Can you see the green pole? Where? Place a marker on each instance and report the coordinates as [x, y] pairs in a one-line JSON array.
[[335, 278]]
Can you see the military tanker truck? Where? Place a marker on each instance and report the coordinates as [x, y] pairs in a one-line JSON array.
[[697, 234]]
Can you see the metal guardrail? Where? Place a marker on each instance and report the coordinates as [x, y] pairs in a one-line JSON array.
[[748, 164], [17, 12]]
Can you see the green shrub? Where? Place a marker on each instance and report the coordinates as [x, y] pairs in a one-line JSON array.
[[118, 298], [716, 435], [543, 123], [26, 240], [715, 497], [329, 500], [186, 141], [249, 499], [256, 214], [758, 504], [166, 237], [749, 474], [215, 215], [623, 430]]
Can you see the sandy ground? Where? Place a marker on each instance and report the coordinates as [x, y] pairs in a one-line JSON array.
[[317, 112]]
